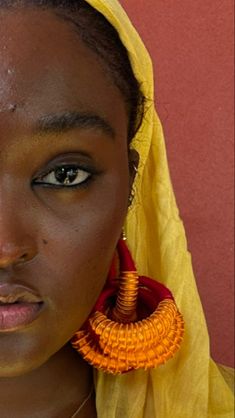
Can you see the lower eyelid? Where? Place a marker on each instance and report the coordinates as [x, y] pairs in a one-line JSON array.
[[85, 184], [82, 185]]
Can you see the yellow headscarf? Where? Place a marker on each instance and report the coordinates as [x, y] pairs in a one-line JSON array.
[[190, 385]]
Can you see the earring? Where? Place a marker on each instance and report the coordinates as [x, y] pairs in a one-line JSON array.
[[135, 323]]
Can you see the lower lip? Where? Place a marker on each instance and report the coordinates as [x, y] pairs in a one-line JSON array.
[[17, 315]]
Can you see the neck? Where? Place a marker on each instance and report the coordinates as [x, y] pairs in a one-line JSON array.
[[61, 384]]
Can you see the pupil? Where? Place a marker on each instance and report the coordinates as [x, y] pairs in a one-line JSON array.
[[65, 174]]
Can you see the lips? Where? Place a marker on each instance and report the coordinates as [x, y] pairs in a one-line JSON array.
[[11, 293], [19, 306]]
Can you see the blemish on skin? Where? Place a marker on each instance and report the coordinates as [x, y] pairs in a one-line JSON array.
[[45, 241], [12, 107]]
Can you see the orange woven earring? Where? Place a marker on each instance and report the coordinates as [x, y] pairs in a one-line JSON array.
[[135, 323]]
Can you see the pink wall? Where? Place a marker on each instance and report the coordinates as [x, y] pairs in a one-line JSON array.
[[191, 45]]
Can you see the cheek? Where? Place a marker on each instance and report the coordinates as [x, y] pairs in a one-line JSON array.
[[81, 241]]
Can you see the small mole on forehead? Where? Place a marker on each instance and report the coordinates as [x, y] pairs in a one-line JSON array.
[[12, 107]]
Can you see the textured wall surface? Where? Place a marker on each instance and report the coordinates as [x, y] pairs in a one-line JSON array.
[[191, 46]]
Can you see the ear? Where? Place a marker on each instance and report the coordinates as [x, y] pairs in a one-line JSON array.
[[134, 158]]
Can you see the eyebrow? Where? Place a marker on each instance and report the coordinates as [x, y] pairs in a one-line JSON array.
[[64, 122]]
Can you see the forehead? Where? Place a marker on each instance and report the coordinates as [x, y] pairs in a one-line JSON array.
[[45, 67]]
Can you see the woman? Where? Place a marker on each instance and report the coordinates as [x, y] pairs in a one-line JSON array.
[[79, 134]]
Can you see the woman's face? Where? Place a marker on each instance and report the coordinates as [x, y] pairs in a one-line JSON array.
[[58, 107]]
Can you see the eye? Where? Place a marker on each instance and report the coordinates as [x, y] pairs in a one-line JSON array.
[[65, 176]]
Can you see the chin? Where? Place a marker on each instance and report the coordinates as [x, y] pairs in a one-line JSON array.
[[20, 355], [16, 369]]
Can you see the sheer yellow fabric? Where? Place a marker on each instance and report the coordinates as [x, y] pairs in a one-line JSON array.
[[190, 385]]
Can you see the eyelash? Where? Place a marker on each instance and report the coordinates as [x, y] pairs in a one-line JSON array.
[[77, 168]]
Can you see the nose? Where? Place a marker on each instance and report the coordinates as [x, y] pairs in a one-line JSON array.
[[17, 240], [12, 254]]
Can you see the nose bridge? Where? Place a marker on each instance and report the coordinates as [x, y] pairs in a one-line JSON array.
[[16, 241]]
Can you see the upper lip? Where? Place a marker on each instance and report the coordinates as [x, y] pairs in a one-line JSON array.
[[10, 293]]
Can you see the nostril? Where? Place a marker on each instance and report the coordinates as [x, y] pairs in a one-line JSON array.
[[11, 254], [24, 257]]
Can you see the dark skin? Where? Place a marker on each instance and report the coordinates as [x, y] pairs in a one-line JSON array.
[[68, 235]]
